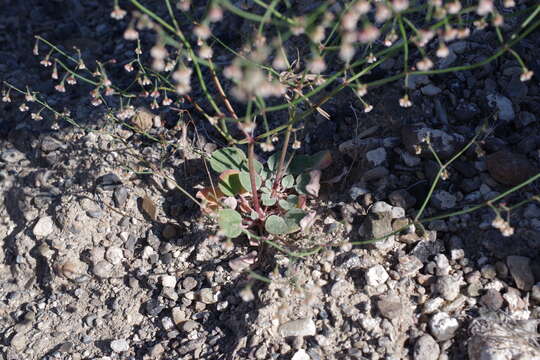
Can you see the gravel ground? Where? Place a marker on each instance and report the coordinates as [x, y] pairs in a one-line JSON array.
[[99, 263]]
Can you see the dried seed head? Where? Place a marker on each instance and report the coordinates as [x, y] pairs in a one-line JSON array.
[[463, 33], [349, 21], [361, 90], [202, 31], [400, 5], [29, 97], [280, 61], [509, 3], [317, 65], [346, 52], [484, 7], [453, 7], [182, 89], [158, 51], [96, 102], [362, 7], [296, 144], [497, 20], [300, 25], [317, 35], [182, 75], [368, 34], [206, 52], [233, 72], [6, 98], [215, 14], [424, 64], [71, 80], [382, 13], [442, 51], [183, 5]]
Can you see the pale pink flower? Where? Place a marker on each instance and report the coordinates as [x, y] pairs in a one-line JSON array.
[[118, 13]]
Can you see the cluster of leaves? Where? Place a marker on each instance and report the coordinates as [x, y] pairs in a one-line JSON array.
[[283, 200]]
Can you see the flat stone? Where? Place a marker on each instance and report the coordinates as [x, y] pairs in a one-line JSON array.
[[300, 327], [426, 348], [503, 105], [430, 90], [510, 168], [44, 227], [443, 200], [12, 156], [390, 306], [521, 272]]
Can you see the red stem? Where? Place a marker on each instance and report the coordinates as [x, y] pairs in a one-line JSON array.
[[252, 175]]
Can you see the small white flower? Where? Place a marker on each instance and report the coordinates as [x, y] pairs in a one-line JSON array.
[[128, 67], [509, 3], [361, 90], [131, 34], [267, 146], [215, 14], [60, 88], [368, 108], [36, 116], [296, 144], [23, 107], [405, 101], [71, 80], [424, 64], [442, 51], [526, 75], [371, 58], [117, 13]]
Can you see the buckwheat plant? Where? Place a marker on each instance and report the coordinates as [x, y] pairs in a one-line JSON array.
[[288, 60]]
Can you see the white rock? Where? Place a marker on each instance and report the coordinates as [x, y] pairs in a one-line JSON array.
[[301, 327], [301, 355], [43, 227], [432, 305], [376, 275], [381, 207], [114, 255], [120, 345], [168, 281], [442, 326], [398, 212]]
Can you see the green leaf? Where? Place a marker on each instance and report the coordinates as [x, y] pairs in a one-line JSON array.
[[287, 182], [245, 180], [267, 200], [302, 181], [273, 161], [292, 219], [230, 222], [276, 225], [229, 158], [304, 163], [289, 203], [229, 183], [254, 215]]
